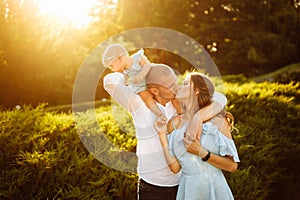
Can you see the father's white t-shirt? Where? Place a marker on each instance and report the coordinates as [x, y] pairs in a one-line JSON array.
[[152, 166]]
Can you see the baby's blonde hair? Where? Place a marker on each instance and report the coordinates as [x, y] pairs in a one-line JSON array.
[[112, 52]]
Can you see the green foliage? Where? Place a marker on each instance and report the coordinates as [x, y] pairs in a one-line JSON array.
[[39, 57], [239, 78], [283, 75], [267, 116], [42, 157], [242, 36]]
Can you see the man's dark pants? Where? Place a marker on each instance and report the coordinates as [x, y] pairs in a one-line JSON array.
[[147, 191]]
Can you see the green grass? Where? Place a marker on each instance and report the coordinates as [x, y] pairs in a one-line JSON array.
[[43, 157]]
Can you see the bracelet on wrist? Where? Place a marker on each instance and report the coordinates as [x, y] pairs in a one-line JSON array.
[[206, 157]]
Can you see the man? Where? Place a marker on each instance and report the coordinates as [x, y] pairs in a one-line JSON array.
[[156, 181]]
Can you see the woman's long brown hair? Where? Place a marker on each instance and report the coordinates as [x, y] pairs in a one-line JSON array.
[[204, 90]]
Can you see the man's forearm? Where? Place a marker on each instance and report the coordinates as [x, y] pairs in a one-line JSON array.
[[209, 112], [204, 114]]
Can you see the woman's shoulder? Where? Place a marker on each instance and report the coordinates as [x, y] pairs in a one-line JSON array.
[[223, 141], [223, 126], [211, 127]]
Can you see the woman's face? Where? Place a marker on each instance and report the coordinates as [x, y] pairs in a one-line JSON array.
[[185, 89], [187, 96]]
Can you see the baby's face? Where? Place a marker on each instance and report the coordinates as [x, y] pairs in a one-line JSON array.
[[117, 65]]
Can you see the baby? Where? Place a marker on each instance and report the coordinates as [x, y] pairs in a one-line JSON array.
[[135, 68]]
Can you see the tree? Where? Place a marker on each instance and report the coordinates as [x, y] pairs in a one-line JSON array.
[[251, 36], [39, 57], [247, 36]]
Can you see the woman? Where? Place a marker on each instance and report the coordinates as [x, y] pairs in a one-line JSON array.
[[200, 178]]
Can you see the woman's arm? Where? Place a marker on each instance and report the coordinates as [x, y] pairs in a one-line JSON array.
[[222, 162], [171, 160]]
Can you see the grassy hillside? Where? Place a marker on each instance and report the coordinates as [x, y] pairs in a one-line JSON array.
[[43, 156], [283, 75], [268, 141]]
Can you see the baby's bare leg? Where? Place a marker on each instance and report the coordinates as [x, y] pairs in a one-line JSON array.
[[150, 103]]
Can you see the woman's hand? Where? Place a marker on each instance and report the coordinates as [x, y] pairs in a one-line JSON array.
[[172, 161], [162, 133], [193, 145], [222, 162], [160, 124]]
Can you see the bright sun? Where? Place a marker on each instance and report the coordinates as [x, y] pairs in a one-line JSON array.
[[76, 12]]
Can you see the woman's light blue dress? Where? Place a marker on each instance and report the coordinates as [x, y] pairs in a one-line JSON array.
[[135, 70], [201, 180]]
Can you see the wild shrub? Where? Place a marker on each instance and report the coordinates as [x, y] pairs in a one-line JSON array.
[[48, 155], [42, 157], [267, 116]]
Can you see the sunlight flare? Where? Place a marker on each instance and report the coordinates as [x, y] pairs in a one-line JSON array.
[[75, 12]]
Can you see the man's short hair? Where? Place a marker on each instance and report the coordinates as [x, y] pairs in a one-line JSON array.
[[161, 74]]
